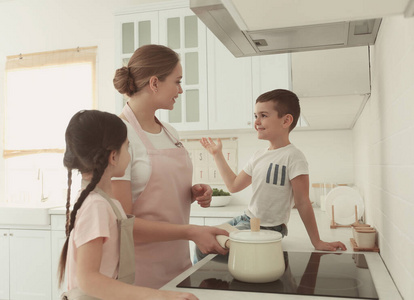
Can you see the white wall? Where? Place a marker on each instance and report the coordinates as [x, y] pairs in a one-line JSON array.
[[329, 153], [28, 26], [384, 149]]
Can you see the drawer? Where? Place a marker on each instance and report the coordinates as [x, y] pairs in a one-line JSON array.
[[215, 221], [197, 221]]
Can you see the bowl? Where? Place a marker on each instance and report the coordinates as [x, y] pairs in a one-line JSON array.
[[217, 201]]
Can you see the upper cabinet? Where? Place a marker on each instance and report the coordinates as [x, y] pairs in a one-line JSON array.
[[229, 87], [331, 72], [219, 90], [179, 29], [332, 85]]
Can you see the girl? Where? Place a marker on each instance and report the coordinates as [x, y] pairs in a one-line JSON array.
[[98, 252], [157, 186]]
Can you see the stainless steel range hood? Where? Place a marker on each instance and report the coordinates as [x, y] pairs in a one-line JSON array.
[[260, 27]]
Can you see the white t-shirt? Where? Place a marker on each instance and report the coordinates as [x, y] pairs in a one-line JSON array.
[[271, 172], [139, 168], [95, 219]]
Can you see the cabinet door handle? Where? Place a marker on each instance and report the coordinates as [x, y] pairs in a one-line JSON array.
[[11, 234], [5, 234]]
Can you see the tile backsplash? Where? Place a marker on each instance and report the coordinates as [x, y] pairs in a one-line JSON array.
[[384, 147], [204, 167]]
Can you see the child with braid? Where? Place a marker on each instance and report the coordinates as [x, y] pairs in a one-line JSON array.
[[98, 255]]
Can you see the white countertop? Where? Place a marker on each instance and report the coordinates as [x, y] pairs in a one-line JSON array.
[[228, 211], [196, 211], [297, 240]]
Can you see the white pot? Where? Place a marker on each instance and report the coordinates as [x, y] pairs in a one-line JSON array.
[[256, 257]]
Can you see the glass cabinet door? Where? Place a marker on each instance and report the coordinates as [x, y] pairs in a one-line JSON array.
[[181, 31], [134, 31]]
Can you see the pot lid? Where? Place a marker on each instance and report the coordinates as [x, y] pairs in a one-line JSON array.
[[262, 236]]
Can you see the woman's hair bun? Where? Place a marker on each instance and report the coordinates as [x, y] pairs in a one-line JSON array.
[[123, 81]]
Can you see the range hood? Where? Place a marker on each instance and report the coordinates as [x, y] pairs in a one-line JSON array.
[[261, 27]]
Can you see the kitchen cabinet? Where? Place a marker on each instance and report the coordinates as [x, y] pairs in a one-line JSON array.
[[4, 263], [332, 85], [58, 238], [25, 264], [195, 221], [235, 83], [270, 72], [229, 87], [219, 90], [211, 221], [332, 72], [181, 30], [173, 25]]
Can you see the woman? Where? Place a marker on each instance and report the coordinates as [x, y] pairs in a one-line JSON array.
[[157, 187]]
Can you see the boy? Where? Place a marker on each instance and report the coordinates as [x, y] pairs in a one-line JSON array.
[[278, 174]]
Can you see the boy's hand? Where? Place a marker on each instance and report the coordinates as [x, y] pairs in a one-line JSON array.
[[333, 246], [210, 146]]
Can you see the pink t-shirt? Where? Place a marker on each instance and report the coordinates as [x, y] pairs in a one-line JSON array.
[[95, 219]]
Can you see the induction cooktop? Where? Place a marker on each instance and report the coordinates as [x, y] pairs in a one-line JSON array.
[[336, 274]]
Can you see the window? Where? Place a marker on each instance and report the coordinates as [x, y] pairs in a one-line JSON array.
[[43, 91]]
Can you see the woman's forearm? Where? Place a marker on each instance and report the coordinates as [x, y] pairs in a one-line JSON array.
[[146, 231]]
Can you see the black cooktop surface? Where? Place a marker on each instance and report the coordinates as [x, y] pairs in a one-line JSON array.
[[317, 273]]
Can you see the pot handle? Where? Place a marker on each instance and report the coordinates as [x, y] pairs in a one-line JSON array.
[[222, 239]]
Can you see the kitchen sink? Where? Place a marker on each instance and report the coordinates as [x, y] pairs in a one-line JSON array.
[[26, 213]]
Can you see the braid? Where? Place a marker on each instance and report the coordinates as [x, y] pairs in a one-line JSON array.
[[68, 201], [91, 136], [101, 162], [96, 177]]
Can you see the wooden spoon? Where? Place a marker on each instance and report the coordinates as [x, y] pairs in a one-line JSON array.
[[254, 224]]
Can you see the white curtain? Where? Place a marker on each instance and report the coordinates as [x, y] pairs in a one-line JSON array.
[[43, 91]]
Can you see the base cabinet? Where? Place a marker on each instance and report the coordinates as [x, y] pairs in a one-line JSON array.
[[25, 264], [58, 240], [4, 264]]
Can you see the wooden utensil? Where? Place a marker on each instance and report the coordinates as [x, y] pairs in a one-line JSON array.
[[254, 224]]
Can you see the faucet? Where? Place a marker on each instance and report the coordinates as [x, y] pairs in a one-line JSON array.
[[40, 176]]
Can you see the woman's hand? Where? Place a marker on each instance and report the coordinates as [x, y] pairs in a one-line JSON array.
[[205, 239], [202, 194], [210, 146]]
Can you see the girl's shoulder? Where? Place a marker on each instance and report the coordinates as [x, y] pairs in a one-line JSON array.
[[97, 202], [94, 203]]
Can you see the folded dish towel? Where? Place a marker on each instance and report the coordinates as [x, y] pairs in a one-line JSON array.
[[222, 239]]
